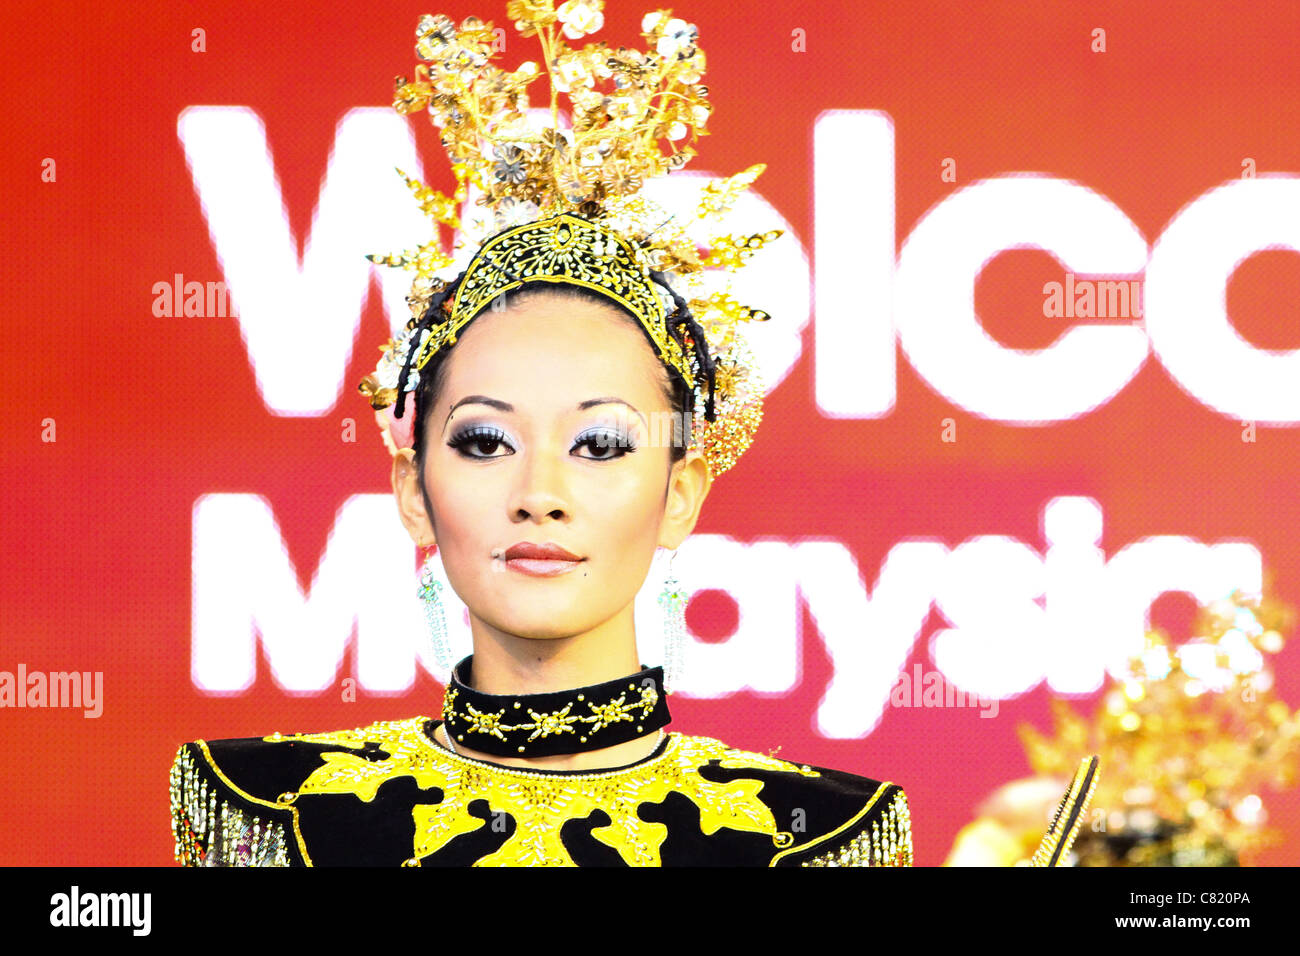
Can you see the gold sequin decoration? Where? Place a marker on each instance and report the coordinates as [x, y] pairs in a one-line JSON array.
[[541, 804]]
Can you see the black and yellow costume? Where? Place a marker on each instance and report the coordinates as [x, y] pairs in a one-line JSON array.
[[387, 794]]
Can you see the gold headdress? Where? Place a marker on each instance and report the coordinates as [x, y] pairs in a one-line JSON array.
[[564, 204]]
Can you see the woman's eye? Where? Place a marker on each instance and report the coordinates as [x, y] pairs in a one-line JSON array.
[[485, 440], [606, 445]]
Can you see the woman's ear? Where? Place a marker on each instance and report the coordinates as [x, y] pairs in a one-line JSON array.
[[688, 485], [410, 498]]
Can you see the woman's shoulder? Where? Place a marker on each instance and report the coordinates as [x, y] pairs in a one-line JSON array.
[[232, 798], [267, 766], [835, 817]]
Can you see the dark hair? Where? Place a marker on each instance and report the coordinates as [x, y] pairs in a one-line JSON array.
[[681, 398]]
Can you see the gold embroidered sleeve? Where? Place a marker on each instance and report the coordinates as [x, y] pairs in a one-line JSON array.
[[885, 841], [211, 830]]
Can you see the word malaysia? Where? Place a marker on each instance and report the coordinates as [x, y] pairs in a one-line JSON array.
[[1015, 615]]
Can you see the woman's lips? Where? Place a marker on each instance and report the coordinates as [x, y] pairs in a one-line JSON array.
[[550, 551], [539, 567], [540, 560]]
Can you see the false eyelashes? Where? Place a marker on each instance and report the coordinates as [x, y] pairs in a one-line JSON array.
[[600, 440]]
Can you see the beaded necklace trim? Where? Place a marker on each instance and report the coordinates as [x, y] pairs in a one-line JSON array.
[[670, 742]]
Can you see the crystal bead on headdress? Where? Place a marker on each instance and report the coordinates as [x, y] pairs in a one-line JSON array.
[[565, 205]]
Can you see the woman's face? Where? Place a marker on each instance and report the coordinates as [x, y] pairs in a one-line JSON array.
[[549, 429]]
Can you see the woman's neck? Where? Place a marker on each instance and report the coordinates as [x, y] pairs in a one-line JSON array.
[[505, 664], [512, 665]]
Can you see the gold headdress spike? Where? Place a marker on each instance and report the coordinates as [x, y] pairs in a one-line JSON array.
[[564, 204], [1191, 738]]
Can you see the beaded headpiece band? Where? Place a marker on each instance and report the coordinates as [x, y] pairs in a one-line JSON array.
[[563, 206]]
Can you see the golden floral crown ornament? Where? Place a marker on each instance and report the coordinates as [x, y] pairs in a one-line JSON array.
[[564, 205]]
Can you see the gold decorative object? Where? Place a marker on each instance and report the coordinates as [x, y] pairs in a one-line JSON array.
[[468, 718], [1190, 740], [1069, 816], [563, 203]]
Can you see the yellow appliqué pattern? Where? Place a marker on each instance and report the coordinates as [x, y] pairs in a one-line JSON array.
[[540, 804]]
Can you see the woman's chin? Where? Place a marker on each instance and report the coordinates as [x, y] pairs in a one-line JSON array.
[[533, 629], [542, 619]]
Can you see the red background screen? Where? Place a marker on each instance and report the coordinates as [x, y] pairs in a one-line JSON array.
[[935, 167]]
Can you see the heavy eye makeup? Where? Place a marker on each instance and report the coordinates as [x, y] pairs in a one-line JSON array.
[[603, 442]]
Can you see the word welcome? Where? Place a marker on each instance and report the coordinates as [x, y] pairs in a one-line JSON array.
[[872, 296]]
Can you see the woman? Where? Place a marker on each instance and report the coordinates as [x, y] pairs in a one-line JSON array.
[[570, 415]]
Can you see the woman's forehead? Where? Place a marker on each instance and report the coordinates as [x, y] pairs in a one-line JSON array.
[[562, 346], [538, 310]]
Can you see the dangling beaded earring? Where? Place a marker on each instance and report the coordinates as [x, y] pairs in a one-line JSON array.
[[430, 593], [673, 601]]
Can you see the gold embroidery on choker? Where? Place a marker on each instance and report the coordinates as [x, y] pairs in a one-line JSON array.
[[551, 715], [559, 721]]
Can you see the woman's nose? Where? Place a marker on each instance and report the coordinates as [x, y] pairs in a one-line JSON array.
[[540, 492]]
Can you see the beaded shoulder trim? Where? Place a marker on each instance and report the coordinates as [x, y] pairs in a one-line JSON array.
[[887, 842], [213, 831]]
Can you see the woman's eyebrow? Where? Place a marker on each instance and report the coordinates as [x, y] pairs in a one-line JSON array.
[[507, 407], [608, 400], [477, 400]]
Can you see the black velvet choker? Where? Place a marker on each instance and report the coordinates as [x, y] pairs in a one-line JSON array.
[[562, 722]]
